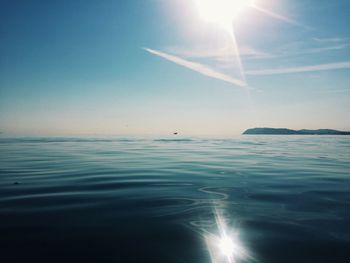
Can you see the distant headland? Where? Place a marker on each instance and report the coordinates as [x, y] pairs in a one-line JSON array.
[[284, 131]]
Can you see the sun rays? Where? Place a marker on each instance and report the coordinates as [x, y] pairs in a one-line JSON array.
[[219, 56], [224, 14]]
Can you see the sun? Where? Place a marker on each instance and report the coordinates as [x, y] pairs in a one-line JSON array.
[[222, 12]]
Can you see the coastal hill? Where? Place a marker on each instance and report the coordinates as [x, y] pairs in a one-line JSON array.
[[284, 131]]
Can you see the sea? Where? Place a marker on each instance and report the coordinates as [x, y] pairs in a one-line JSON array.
[[268, 199]]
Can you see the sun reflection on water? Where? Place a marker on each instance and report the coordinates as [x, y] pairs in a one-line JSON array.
[[225, 245]]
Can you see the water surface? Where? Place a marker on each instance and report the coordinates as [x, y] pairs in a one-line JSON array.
[[154, 200]]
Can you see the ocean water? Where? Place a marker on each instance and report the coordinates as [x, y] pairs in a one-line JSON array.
[[277, 199]]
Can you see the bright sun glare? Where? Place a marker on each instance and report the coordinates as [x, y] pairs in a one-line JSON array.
[[222, 12], [226, 246]]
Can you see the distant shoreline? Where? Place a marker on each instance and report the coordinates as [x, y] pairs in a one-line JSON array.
[[285, 131]]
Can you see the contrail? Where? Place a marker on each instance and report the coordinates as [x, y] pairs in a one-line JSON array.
[[280, 17], [320, 67], [202, 69]]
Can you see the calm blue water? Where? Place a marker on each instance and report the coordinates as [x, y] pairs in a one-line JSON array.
[[284, 198]]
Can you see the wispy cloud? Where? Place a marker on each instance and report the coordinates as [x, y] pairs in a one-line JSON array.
[[323, 49], [331, 40], [280, 17], [197, 67], [320, 67], [311, 46], [217, 52], [329, 44], [226, 53]]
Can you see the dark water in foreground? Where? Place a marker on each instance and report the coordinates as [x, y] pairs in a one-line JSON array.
[[284, 198]]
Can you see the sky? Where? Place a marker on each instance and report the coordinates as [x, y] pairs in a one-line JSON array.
[[154, 67]]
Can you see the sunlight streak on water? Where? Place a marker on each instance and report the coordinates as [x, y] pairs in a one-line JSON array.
[[224, 245]]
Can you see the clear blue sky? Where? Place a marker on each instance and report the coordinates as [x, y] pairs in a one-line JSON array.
[[151, 67]]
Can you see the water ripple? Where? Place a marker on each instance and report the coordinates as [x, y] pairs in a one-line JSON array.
[[282, 191]]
